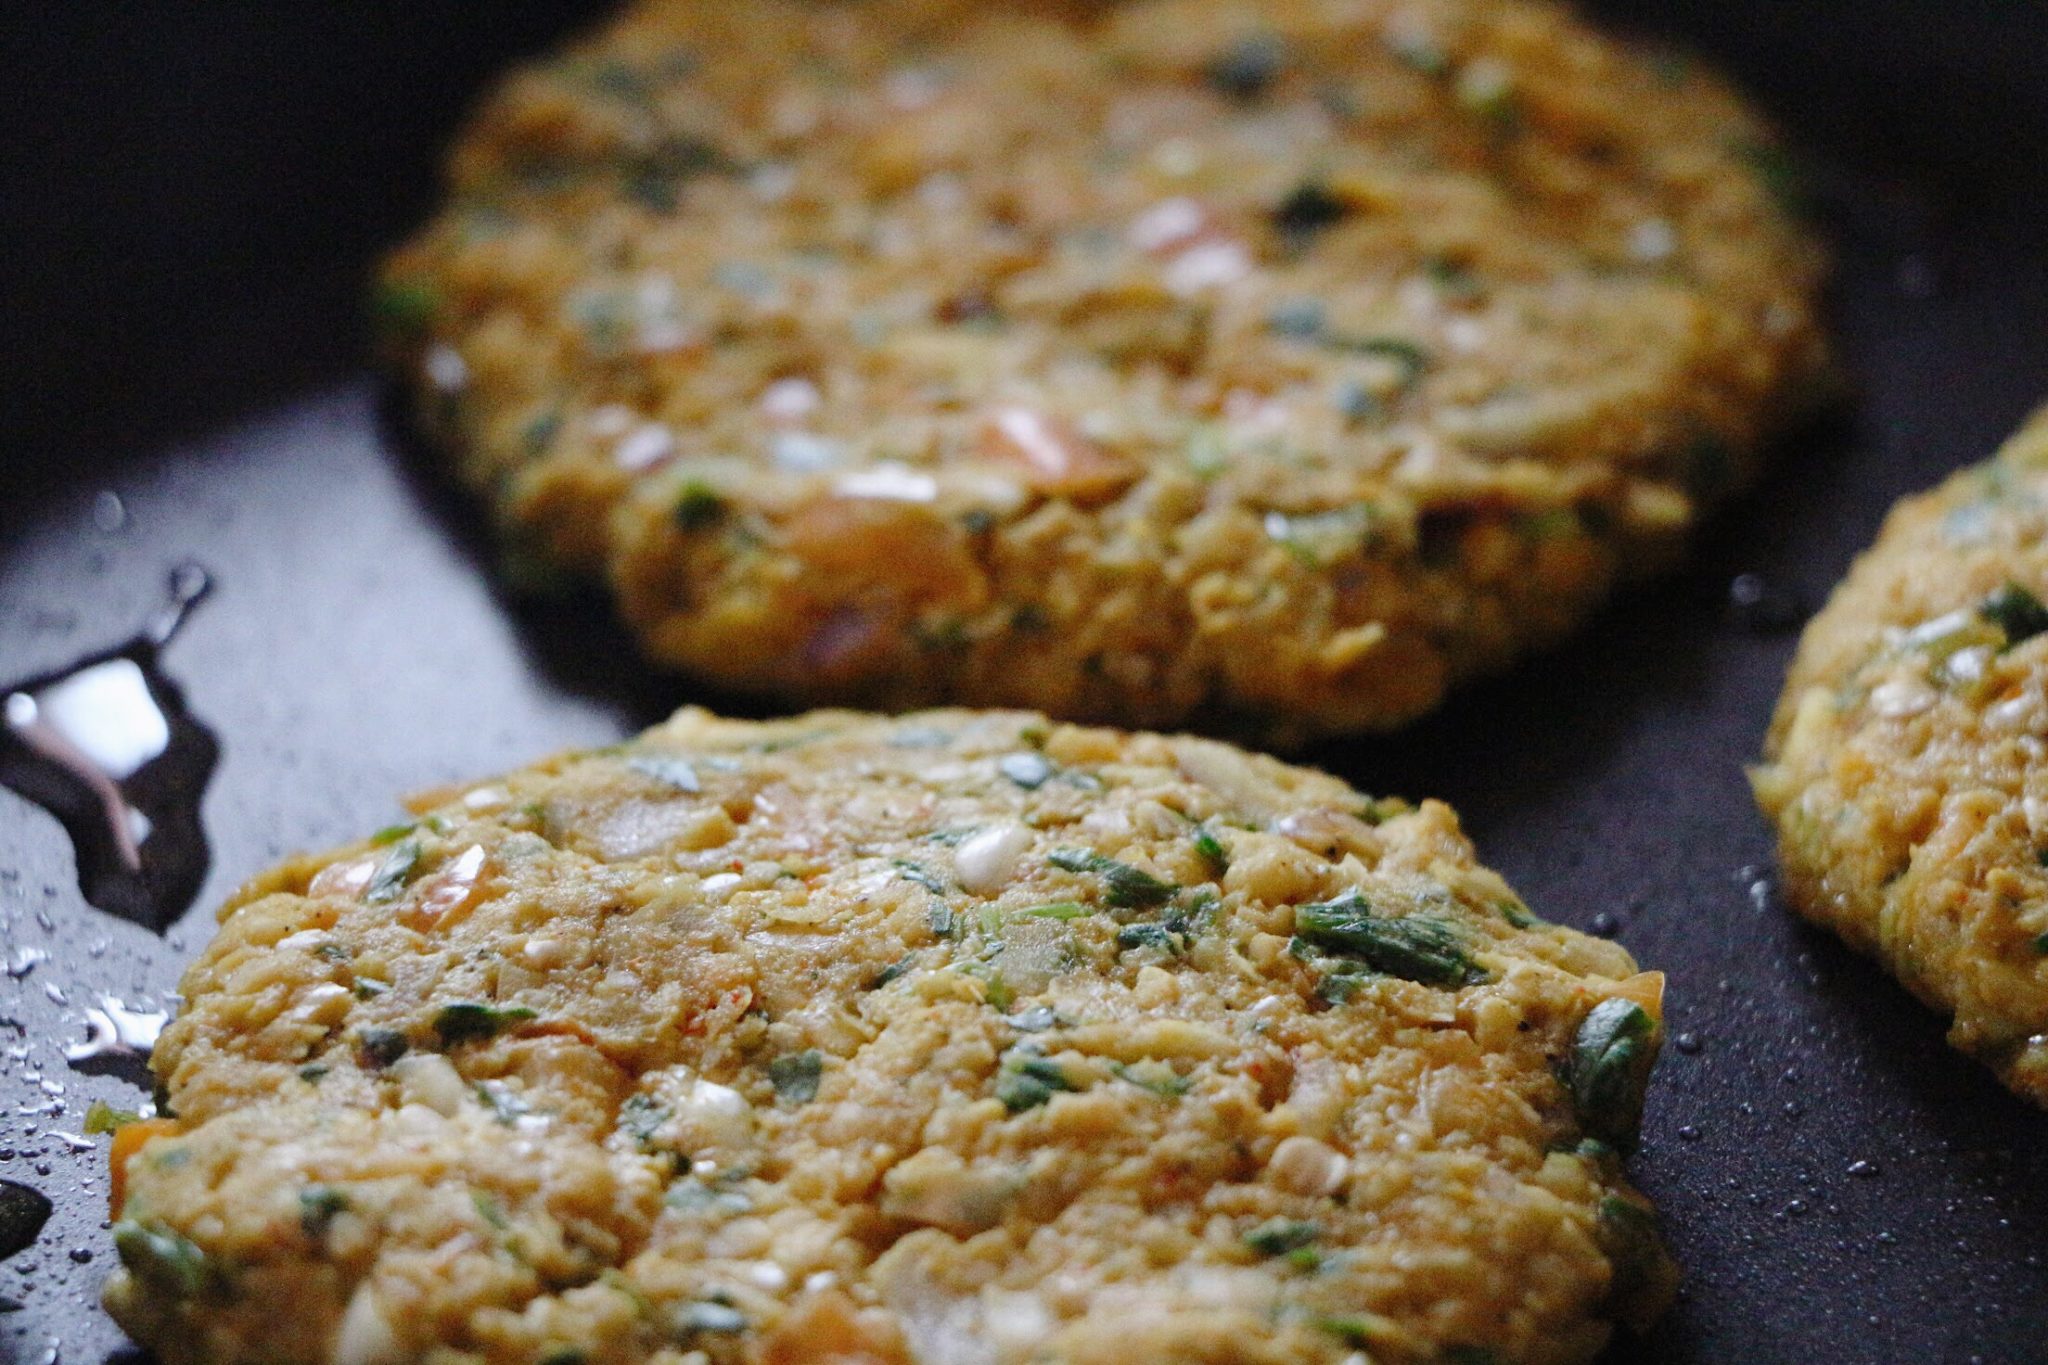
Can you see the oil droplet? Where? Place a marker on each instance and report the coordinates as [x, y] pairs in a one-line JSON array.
[[1689, 1043], [1863, 1170], [112, 1030], [108, 747], [23, 1212], [1606, 925], [1758, 605], [24, 960], [109, 513]]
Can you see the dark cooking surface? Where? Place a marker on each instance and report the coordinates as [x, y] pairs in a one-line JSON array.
[[188, 196]]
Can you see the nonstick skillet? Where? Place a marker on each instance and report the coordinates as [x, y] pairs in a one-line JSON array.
[[189, 199]]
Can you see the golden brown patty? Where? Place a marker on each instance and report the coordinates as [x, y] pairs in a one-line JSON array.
[[1277, 364], [960, 1039], [1906, 770]]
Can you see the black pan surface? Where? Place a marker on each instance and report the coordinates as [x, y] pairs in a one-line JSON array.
[[189, 196]]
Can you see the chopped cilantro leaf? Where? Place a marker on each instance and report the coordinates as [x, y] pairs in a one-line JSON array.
[[467, 1021], [2015, 611], [1124, 886], [1414, 947], [796, 1074], [1277, 1236]]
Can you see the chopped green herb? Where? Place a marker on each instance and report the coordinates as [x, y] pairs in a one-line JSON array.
[[1415, 947], [795, 1075], [387, 883], [642, 1116], [381, 1046], [1211, 849], [1341, 982], [942, 921], [1609, 1067], [391, 834], [1357, 1329], [312, 1075], [540, 433], [998, 994], [318, 1204], [101, 1117], [698, 505], [1385, 808], [1277, 1236], [369, 988], [942, 632], [1153, 935], [892, 971], [694, 1196], [1452, 276], [675, 772], [1297, 318], [1248, 68], [1124, 886], [922, 876], [467, 1021], [1028, 770], [1310, 208], [1157, 1077], [164, 1260], [655, 178], [616, 1281], [707, 1316], [1516, 913], [489, 1209], [2015, 611], [2040, 946], [1411, 358], [564, 1355], [1783, 175], [1487, 89], [1553, 523], [1061, 910], [403, 310], [621, 80], [1027, 1080], [1629, 1236], [507, 1106], [1356, 403]]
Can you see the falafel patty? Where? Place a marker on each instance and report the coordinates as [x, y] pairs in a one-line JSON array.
[[1274, 365], [963, 1037], [1905, 768]]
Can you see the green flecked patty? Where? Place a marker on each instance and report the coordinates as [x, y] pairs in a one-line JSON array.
[[1277, 364], [962, 1037], [1905, 769]]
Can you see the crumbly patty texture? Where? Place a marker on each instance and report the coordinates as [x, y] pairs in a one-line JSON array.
[[1276, 364], [959, 1039], [1906, 768]]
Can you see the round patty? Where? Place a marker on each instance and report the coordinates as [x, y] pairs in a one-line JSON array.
[[960, 1039], [1277, 364], [1906, 770]]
